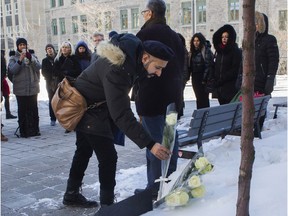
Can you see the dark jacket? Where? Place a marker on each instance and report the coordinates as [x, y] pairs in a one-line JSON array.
[[266, 57], [154, 94], [200, 61], [83, 58], [47, 71], [110, 79], [67, 66], [227, 62]]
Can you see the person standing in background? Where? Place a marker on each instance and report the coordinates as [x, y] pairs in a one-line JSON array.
[[201, 66], [51, 80], [97, 37], [227, 63], [152, 95], [266, 58], [83, 54], [25, 68]]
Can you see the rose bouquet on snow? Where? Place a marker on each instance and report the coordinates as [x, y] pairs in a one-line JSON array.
[[189, 184]]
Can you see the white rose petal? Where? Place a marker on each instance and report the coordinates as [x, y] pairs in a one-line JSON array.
[[177, 198], [171, 119], [198, 192], [194, 181]]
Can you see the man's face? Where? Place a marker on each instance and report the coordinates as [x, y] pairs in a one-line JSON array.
[[22, 46], [147, 14], [50, 51], [97, 39], [66, 50], [153, 65]]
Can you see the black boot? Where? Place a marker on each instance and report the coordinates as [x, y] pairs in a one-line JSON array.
[[73, 197], [106, 197], [10, 116]]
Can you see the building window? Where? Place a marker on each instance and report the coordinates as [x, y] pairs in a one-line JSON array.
[[82, 1], [167, 13], [73, 2], [16, 7], [8, 9], [233, 10], [108, 21], [186, 13], [54, 27], [83, 19], [74, 24], [124, 19], [62, 26], [201, 11], [135, 18], [283, 20], [53, 3], [61, 2]]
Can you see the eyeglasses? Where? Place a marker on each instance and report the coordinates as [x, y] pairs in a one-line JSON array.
[[144, 11]]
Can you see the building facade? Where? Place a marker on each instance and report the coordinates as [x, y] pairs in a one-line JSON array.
[[55, 21]]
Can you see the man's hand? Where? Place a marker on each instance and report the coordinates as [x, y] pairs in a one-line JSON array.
[[160, 152]]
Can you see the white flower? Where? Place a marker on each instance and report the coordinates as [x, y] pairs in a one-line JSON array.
[[198, 192], [203, 165], [171, 119], [194, 181], [177, 198]]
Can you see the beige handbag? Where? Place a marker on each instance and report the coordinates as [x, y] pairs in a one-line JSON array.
[[68, 105]]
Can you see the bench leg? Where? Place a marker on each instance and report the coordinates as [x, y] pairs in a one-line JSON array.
[[257, 130], [275, 113]]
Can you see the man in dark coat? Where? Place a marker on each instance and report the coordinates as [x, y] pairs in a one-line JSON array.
[[266, 58], [154, 95], [51, 83], [109, 80]]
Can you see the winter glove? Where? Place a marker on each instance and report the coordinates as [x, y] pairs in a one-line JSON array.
[[269, 84], [28, 56]]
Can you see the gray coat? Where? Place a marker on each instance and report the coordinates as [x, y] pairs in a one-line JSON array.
[[26, 77]]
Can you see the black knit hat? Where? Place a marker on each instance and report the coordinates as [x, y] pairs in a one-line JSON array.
[[158, 50], [21, 40], [49, 45]]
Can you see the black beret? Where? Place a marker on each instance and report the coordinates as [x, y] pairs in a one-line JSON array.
[[158, 50], [21, 40]]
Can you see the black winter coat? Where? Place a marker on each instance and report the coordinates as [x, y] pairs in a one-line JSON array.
[[67, 66], [266, 60], [227, 63], [154, 94], [47, 71], [110, 79]]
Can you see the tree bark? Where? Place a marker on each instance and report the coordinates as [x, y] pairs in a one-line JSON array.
[[247, 89]]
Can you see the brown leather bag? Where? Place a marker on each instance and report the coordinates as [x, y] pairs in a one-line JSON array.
[[68, 105]]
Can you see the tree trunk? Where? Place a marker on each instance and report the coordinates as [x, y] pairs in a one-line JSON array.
[[247, 135]]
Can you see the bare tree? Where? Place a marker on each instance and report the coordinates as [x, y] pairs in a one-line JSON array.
[[247, 136]]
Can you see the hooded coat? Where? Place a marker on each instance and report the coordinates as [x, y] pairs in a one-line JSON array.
[[266, 56], [83, 58], [110, 79], [227, 63]]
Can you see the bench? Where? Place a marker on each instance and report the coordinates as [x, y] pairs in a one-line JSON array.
[[276, 108], [218, 121]]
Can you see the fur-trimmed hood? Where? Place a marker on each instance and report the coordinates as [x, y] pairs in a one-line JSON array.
[[121, 48], [262, 20], [217, 37]]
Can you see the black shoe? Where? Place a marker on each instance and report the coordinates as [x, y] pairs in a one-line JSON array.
[[107, 198], [78, 200], [67, 131], [10, 116]]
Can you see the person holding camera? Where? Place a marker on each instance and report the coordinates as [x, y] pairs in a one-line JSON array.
[[25, 69]]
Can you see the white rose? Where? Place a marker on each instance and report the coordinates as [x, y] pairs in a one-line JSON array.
[[177, 198], [171, 119], [198, 192], [194, 181], [201, 163]]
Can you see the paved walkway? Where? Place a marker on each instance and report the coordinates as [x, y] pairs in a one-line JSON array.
[[34, 170]]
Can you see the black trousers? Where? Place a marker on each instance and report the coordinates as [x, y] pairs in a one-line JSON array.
[[202, 97], [28, 116], [107, 158], [50, 96]]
